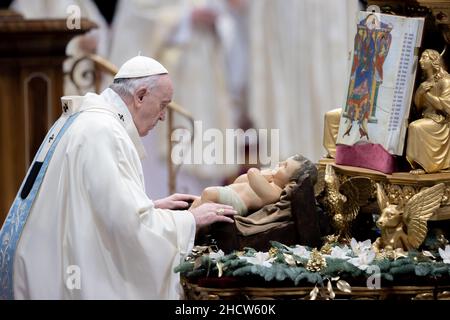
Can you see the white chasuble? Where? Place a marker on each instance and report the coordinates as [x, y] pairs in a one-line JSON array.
[[92, 232]]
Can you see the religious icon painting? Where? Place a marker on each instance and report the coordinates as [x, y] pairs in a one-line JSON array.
[[380, 80]]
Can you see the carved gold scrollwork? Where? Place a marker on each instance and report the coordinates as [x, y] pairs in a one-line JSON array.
[[445, 295], [394, 193], [446, 197], [194, 292], [397, 193], [408, 192]]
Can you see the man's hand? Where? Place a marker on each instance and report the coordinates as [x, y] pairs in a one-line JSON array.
[[261, 186], [426, 86], [177, 201], [267, 174], [209, 213]]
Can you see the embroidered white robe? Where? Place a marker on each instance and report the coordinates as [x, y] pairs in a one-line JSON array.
[[92, 221]]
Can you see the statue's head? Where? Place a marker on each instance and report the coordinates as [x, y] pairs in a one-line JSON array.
[[306, 167], [431, 59], [292, 169], [372, 22], [391, 216]]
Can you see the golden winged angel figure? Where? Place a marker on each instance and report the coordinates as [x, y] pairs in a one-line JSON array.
[[404, 226]]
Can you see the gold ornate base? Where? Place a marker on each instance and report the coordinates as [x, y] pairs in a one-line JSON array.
[[399, 186], [195, 292]]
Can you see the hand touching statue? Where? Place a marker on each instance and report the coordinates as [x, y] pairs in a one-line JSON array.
[[257, 188]]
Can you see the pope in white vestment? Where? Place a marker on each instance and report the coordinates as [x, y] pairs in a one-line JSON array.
[[92, 232], [94, 214]]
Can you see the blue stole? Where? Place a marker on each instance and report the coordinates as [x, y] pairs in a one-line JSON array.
[[20, 210]]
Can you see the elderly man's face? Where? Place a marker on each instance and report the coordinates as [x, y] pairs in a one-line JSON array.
[[152, 105]]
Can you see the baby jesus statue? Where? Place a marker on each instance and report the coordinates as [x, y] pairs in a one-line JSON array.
[[256, 188]]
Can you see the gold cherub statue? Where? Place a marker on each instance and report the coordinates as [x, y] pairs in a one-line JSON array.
[[343, 201], [428, 144], [404, 226]]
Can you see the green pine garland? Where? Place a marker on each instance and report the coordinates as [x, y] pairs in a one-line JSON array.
[[287, 266]]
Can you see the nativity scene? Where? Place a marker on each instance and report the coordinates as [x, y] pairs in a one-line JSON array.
[[99, 102], [404, 211]]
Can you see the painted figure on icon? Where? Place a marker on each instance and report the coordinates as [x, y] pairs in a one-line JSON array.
[[372, 42]]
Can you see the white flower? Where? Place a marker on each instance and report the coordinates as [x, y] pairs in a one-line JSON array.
[[359, 247], [340, 253], [216, 255], [301, 251], [445, 255], [363, 260], [260, 258]]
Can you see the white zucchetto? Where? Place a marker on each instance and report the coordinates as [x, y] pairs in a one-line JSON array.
[[140, 66]]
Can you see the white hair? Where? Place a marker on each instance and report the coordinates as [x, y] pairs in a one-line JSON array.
[[126, 87]]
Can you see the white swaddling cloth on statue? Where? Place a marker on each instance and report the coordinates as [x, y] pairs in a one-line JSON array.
[[230, 197]]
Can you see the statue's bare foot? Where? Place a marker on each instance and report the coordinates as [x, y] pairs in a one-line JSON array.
[[417, 171]]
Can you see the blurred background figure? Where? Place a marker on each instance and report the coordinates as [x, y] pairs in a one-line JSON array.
[[203, 45], [235, 64], [299, 51]]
